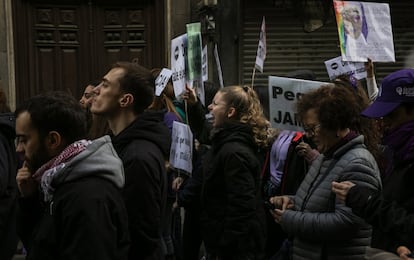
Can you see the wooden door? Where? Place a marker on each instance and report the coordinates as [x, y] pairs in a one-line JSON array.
[[63, 45]]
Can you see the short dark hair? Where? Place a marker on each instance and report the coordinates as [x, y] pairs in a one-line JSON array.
[[138, 81], [339, 108], [95, 82], [56, 111]]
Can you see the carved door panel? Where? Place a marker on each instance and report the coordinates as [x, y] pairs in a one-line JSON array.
[[124, 35], [63, 45]]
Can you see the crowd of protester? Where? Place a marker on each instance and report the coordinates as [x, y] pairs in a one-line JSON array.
[[91, 179]]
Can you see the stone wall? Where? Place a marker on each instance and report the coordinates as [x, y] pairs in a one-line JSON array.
[[6, 52]]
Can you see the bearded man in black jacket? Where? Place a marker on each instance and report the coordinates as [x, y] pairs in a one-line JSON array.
[[71, 205]]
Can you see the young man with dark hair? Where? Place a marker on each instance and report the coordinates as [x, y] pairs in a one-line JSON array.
[[142, 142], [70, 206]]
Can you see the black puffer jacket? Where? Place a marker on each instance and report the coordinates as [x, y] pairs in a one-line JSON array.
[[233, 217], [391, 212]]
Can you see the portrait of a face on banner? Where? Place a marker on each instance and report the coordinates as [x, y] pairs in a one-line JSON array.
[[365, 31]]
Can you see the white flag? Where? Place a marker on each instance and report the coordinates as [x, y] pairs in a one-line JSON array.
[[261, 48]]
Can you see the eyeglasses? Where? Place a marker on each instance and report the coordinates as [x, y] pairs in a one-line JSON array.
[[310, 130]]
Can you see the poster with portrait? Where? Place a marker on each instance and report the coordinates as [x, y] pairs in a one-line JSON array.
[[283, 94], [364, 31]]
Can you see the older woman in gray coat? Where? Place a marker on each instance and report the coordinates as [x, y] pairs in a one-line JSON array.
[[321, 226]]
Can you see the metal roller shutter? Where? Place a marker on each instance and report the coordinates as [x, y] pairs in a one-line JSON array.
[[290, 48]]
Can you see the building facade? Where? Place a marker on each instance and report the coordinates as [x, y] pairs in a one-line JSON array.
[[65, 44]]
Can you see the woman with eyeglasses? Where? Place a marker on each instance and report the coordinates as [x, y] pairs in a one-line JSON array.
[[321, 226], [232, 212], [365, 126]]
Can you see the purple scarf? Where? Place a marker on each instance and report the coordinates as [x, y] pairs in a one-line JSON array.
[[401, 142]]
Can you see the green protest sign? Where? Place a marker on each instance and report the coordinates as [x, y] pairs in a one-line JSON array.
[[194, 51]]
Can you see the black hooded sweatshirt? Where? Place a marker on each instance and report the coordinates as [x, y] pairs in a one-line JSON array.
[[8, 188], [144, 147]]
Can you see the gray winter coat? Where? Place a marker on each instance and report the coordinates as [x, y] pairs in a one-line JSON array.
[[322, 227]]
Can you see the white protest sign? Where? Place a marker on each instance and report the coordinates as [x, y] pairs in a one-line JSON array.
[[364, 31], [178, 54], [218, 64], [204, 64], [337, 67], [261, 48], [181, 152], [283, 94], [200, 91], [162, 80]]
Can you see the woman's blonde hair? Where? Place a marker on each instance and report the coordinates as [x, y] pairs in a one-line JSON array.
[[248, 110]]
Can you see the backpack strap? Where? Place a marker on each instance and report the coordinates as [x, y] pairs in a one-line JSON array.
[[290, 154], [265, 164], [278, 155], [298, 137]]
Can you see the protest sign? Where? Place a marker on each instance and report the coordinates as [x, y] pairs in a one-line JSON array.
[[365, 31], [194, 60], [201, 95], [181, 152], [162, 80], [283, 93], [204, 64], [178, 54], [194, 51], [337, 67]]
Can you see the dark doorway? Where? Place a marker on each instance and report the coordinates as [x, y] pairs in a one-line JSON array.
[[63, 45]]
